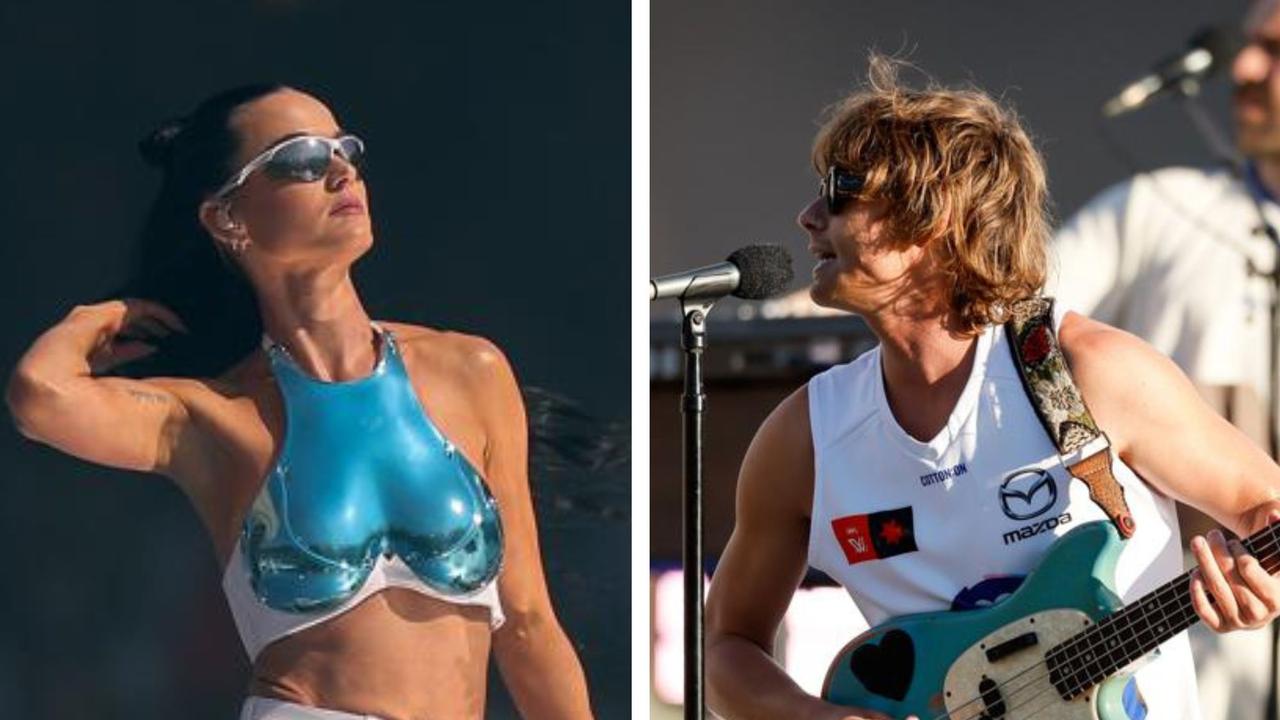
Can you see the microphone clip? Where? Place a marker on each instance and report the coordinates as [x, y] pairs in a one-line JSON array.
[[693, 326]]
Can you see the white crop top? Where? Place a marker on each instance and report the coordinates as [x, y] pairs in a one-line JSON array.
[[260, 625]]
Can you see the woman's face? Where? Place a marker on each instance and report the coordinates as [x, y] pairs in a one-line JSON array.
[[290, 220]]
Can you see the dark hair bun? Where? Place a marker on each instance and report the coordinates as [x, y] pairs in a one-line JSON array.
[[157, 148]]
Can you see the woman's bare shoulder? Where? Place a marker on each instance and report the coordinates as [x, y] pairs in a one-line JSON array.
[[468, 368], [448, 349]]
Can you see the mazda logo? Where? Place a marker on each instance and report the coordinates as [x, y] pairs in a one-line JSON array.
[[1027, 493]]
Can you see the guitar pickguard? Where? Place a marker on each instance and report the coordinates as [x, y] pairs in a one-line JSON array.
[[1015, 684]]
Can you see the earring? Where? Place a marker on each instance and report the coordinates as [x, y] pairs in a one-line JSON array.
[[225, 221]]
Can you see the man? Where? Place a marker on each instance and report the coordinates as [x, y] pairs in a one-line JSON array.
[[931, 225], [1181, 257]]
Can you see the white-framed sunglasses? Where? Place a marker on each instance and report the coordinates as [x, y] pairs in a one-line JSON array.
[[304, 158]]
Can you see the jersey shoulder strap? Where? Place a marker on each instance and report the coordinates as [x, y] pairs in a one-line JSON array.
[[1084, 448]]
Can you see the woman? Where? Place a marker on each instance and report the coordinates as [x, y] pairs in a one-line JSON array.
[[919, 476], [364, 484]]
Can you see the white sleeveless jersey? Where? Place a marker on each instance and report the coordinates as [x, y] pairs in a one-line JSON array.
[[959, 521]]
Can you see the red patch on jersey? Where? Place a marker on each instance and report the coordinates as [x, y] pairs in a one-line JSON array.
[[876, 535], [855, 538]]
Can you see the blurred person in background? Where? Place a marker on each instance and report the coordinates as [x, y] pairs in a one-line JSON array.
[[1182, 257], [364, 483]]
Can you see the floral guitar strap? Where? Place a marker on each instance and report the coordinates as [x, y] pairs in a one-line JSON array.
[[1084, 449]]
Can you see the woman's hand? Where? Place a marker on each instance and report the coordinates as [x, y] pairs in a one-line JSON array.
[[1231, 590], [115, 331]]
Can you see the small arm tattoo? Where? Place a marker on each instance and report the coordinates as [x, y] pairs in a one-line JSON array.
[[152, 398]]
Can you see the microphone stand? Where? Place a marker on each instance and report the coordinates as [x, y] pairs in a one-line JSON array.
[[693, 330], [1188, 92]]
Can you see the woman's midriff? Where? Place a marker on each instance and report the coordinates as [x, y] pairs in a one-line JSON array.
[[398, 655]]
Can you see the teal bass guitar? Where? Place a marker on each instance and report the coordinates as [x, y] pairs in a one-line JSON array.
[[1055, 649]]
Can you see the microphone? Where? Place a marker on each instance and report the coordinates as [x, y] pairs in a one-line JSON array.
[[753, 272], [1210, 49]]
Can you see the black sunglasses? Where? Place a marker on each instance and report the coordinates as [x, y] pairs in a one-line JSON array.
[[839, 185]]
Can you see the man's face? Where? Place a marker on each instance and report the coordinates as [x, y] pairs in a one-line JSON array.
[[1256, 75], [860, 267]]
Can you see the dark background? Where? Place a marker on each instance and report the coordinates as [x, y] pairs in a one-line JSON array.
[[488, 126], [738, 87]]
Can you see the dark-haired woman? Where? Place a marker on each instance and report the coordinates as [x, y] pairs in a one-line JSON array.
[[364, 483]]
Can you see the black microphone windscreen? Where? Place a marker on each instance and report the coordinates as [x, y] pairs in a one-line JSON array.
[[765, 270]]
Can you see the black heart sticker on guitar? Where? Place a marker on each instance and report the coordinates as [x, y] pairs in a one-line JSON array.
[[886, 669]]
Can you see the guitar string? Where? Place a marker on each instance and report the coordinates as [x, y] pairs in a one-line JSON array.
[[1267, 546], [1005, 683], [1175, 591], [1013, 694], [1031, 713]]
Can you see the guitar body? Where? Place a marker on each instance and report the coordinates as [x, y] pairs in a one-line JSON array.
[[987, 664]]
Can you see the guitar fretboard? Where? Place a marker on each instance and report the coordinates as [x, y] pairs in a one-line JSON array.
[[1089, 657]]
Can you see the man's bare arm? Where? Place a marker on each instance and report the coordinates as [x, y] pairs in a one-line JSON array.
[[761, 567]]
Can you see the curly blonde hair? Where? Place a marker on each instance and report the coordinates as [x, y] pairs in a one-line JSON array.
[[959, 173]]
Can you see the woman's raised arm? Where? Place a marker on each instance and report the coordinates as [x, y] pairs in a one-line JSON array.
[[56, 396]]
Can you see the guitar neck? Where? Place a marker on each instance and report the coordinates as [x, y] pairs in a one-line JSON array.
[[1097, 653]]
